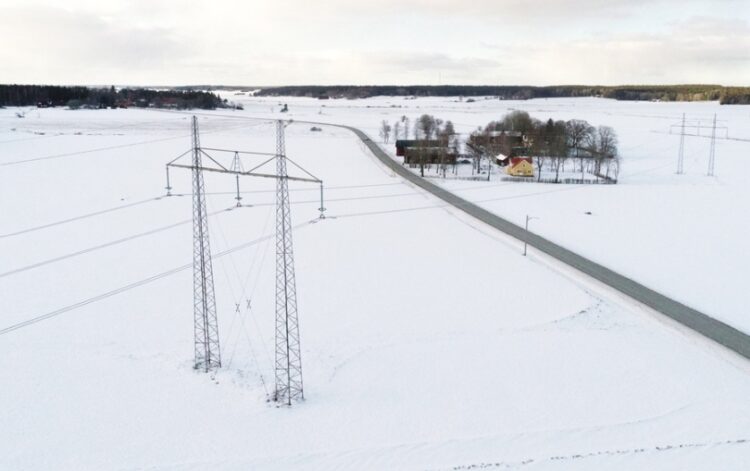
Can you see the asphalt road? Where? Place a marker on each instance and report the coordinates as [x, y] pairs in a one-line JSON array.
[[697, 321]]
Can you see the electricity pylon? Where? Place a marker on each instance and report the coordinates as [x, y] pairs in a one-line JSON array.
[[206, 329], [695, 126], [288, 359], [712, 151], [681, 154], [288, 363]]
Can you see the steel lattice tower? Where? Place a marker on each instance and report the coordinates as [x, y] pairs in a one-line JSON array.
[[288, 361], [206, 329]]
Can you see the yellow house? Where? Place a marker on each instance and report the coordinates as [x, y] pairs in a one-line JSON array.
[[520, 167]]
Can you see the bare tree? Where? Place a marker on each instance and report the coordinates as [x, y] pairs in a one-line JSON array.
[[516, 121], [476, 156], [424, 128], [445, 135], [606, 146], [385, 131], [407, 126], [539, 160], [558, 163], [579, 135], [417, 131], [614, 167], [396, 130], [427, 125], [449, 129]]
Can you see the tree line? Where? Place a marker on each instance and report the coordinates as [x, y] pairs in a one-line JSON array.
[[699, 92], [434, 139], [735, 96], [553, 144], [86, 97]]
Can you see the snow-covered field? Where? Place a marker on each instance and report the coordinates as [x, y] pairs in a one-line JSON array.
[[683, 235], [428, 341]]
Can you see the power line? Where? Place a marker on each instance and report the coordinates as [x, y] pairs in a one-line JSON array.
[[158, 198], [315, 201], [101, 246], [82, 216], [130, 286], [95, 129], [90, 151], [98, 149], [249, 244]]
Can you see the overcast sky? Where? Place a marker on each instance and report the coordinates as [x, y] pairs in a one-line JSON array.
[[288, 42]]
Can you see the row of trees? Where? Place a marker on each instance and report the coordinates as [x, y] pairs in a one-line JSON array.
[[635, 92], [426, 128], [78, 97], [735, 96], [594, 149], [435, 138]]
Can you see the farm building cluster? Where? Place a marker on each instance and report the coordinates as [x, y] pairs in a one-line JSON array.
[[518, 146]]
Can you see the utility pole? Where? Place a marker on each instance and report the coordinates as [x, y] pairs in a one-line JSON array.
[[206, 329], [681, 153], [712, 151], [288, 360]]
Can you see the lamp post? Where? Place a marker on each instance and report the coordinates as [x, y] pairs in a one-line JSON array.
[[528, 218]]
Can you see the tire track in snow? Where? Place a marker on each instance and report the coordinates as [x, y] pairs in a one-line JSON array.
[[562, 459]]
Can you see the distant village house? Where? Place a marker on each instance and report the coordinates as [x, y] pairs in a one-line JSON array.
[[520, 167]]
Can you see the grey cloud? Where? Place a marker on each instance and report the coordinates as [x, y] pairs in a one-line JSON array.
[[62, 38], [502, 10], [698, 50]]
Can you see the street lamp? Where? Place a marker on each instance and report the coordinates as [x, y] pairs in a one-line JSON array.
[[528, 218]]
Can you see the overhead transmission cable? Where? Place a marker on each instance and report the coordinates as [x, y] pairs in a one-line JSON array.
[[128, 287]]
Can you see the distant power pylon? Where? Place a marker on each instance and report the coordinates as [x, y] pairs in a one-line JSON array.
[[696, 127], [681, 153], [206, 328], [712, 151], [288, 359]]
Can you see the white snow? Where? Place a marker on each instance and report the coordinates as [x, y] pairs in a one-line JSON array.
[[428, 341], [683, 235]]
